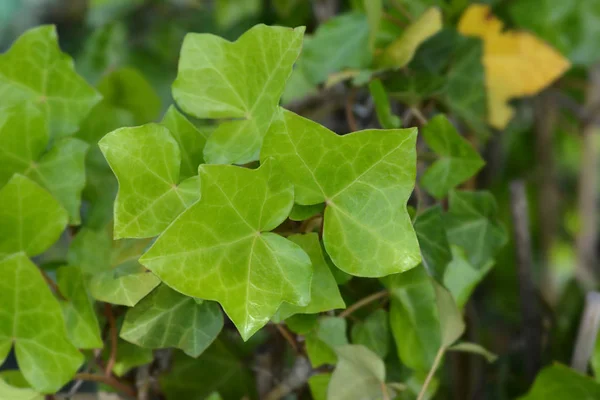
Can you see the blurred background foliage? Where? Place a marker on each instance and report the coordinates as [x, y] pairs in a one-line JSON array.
[[129, 49]]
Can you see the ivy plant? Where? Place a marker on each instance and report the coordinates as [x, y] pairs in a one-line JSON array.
[[155, 249]]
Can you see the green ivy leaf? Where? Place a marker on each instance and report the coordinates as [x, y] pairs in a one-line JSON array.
[[465, 92], [218, 368], [321, 343], [386, 118], [129, 90], [458, 160], [318, 384], [220, 248], [451, 321], [35, 325], [125, 284], [230, 12], [461, 277], [373, 333], [24, 140], [31, 219], [243, 81], [16, 393], [129, 356], [471, 224], [78, 311], [365, 179], [559, 382], [191, 141], [414, 318], [325, 294], [146, 161], [35, 70], [429, 226], [166, 318], [105, 48], [323, 55], [112, 270], [359, 375]]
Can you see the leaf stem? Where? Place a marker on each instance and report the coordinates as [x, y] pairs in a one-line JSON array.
[[434, 367], [52, 285], [107, 380], [363, 302], [349, 113], [113, 339], [287, 336]]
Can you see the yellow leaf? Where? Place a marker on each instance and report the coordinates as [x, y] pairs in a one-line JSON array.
[[401, 51], [516, 63]]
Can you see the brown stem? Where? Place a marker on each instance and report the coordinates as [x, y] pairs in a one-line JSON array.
[[587, 238], [349, 113], [531, 322], [113, 339], [363, 302], [107, 380], [288, 337], [52, 285], [547, 203], [418, 115]]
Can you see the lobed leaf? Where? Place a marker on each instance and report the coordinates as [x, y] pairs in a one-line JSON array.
[[166, 318], [34, 70], [220, 248], [242, 81], [365, 179], [35, 325]]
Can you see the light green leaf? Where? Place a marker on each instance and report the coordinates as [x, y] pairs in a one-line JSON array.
[[451, 321], [302, 323], [474, 348], [24, 141], [112, 269], [373, 333], [365, 179], [242, 81], [318, 384], [125, 284], [401, 51], [414, 318], [359, 375], [121, 90], [217, 369], [323, 55], [130, 356], [146, 161], [461, 277], [191, 141], [458, 160], [301, 213], [559, 382], [471, 223], [34, 324], [78, 311], [31, 219], [166, 318], [220, 248], [35, 70], [325, 294], [385, 116], [321, 343], [429, 226], [9, 392]]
